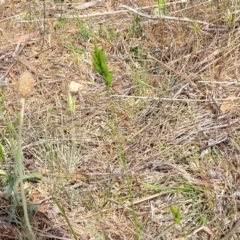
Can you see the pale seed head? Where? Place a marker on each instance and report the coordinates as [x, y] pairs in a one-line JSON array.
[[25, 84]]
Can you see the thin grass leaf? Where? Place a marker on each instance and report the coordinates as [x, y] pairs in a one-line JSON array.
[[65, 217], [2, 157]]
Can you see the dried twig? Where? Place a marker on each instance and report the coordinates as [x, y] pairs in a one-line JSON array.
[[164, 17], [16, 53], [66, 66], [232, 231], [173, 99]]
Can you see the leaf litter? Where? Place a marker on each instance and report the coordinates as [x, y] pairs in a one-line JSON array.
[[162, 130]]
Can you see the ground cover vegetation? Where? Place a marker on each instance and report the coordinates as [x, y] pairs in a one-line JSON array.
[[119, 119]]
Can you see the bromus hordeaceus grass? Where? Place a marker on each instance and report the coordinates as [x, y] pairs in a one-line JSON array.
[[25, 88]]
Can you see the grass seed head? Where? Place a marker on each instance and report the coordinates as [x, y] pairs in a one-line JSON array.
[[26, 84]]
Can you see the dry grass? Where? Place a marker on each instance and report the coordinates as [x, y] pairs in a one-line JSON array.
[[113, 169]]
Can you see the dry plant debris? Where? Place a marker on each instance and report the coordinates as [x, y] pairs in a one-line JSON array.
[[167, 134]]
